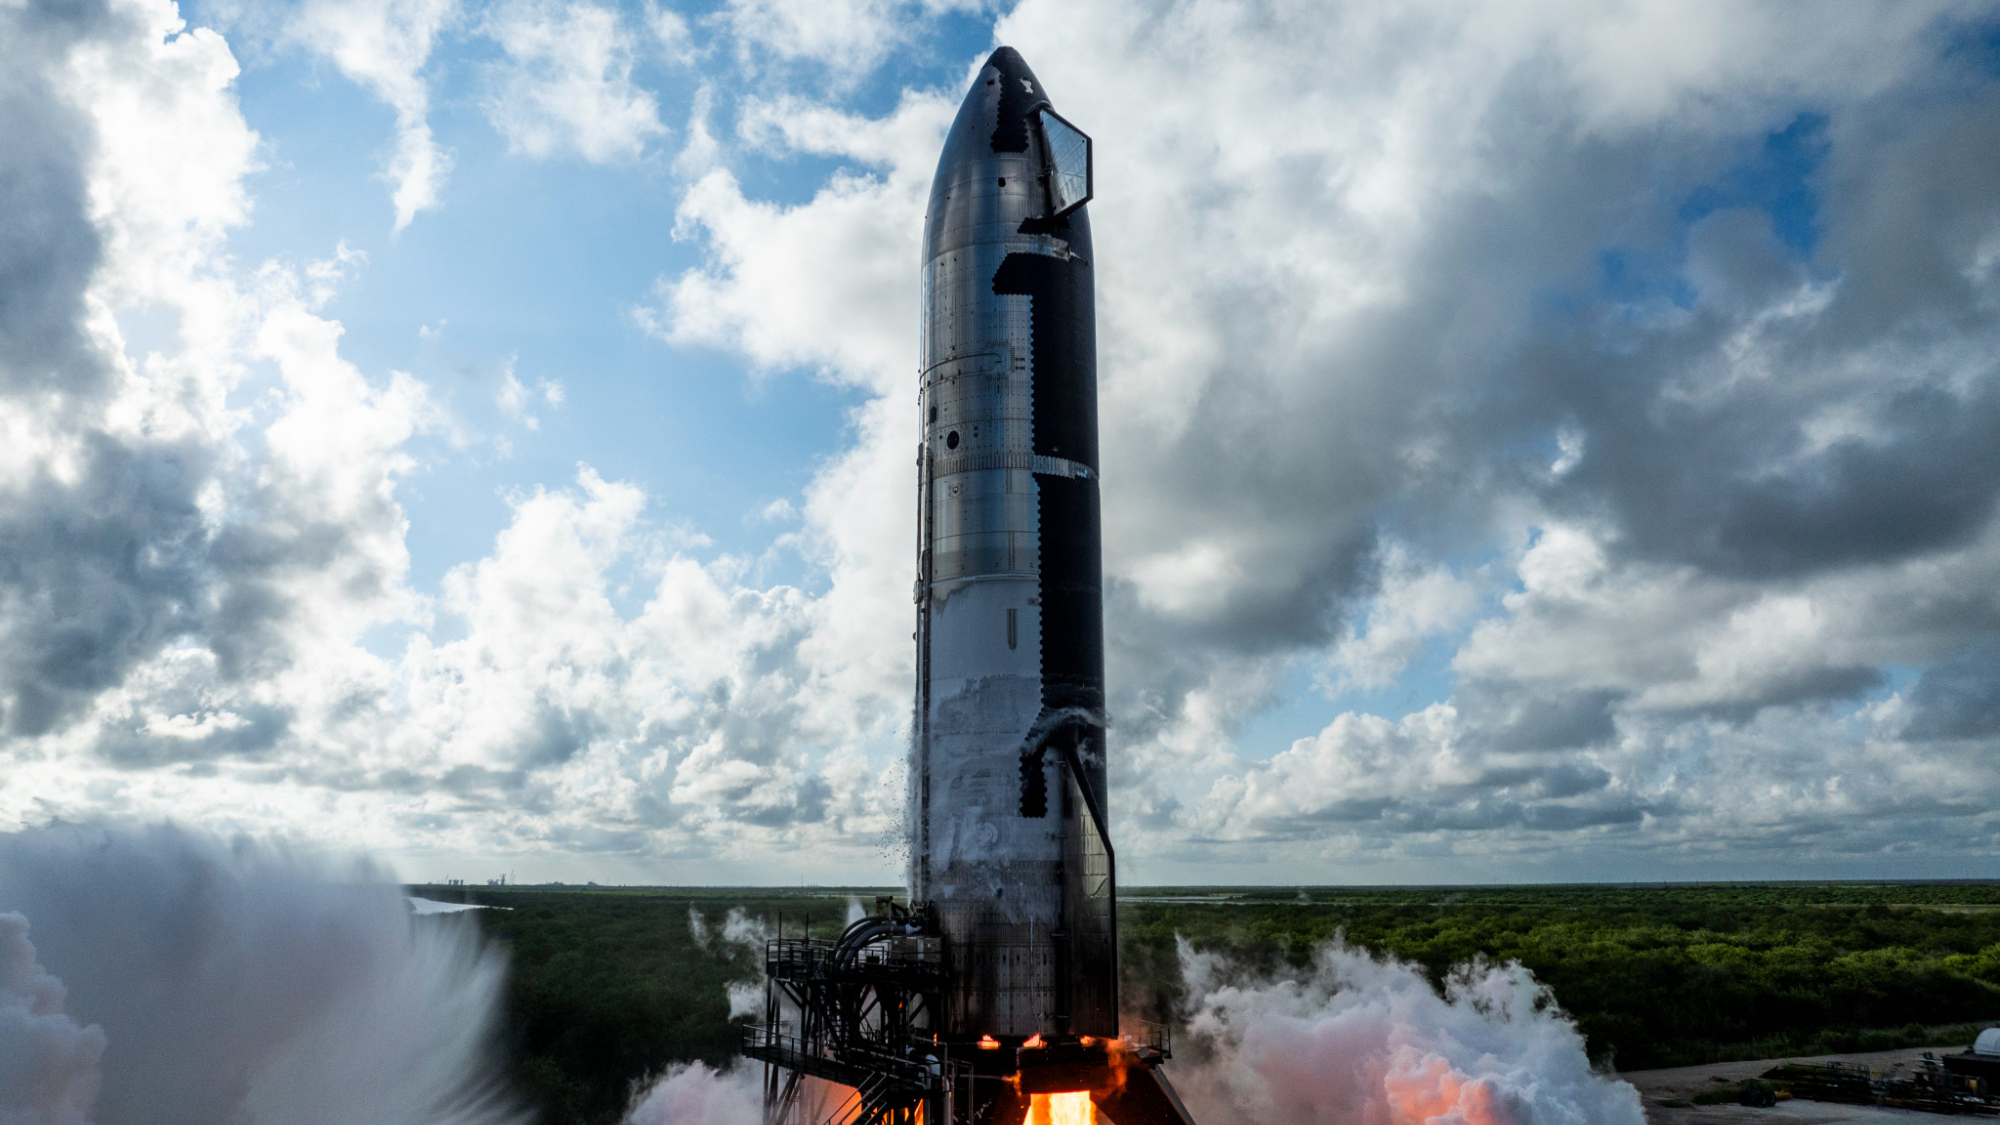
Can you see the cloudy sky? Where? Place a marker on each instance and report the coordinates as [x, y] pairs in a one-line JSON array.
[[1542, 440]]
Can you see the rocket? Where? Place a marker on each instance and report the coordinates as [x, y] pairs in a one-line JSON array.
[[1010, 848], [1008, 838], [992, 997]]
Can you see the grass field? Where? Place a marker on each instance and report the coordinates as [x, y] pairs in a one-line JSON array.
[[611, 984]]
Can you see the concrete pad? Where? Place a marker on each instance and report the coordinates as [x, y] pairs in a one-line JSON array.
[[1680, 1083]]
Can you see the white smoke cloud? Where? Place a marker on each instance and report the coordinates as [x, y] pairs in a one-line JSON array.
[[1354, 1039], [696, 1094], [48, 1065], [746, 997], [236, 982], [1366, 1040]]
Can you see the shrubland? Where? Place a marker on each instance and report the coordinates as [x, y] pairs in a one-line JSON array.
[[610, 985]]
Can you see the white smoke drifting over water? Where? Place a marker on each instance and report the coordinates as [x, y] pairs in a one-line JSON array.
[[1363, 1041], [209, 982]]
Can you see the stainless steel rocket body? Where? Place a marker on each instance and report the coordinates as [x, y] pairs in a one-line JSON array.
[[1008, 758]]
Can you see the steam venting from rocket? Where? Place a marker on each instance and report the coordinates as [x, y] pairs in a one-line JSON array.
[[161, 977]]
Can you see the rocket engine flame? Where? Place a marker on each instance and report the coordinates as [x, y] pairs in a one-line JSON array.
[[1062, 1109]]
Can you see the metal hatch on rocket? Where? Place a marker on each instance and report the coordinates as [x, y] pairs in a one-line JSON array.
[[999, 983]]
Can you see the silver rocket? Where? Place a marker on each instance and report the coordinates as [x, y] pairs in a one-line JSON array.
[[996, 988], [1007, 804]]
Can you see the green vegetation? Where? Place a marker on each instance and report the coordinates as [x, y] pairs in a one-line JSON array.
[[609, 985], [1655, 976]]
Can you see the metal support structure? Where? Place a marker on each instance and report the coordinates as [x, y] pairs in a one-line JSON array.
[[862, 1012], [857, 1011]]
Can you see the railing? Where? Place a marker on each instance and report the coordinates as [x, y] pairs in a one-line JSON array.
[[770, 1035], [798, 958], [1148, 1035], [764, 1039]]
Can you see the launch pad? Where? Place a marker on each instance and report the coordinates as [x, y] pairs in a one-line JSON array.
[[860, 1011], [992, 999]]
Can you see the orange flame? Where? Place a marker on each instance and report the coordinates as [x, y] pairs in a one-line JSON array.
[[988, 1043], [1034, 1041], [1433, 1090], [1062, 1109]]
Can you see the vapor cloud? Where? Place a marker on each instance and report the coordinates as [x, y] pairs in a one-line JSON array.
[[1360, 1039], [696, 1094], [233, 982], [48, 1065]]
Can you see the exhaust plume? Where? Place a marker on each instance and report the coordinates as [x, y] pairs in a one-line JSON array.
[[48, 1065], [1355, 1039], [695, 1094], [185, 981], [1368, 1041], [746, 997]]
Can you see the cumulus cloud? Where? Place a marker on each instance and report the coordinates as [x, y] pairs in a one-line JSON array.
[[848, 38], [1426, 772], [765, 257], [1622, 379], [671, 34], [566, 85], [1410, 606], [1640, 321], [189, 583], [105, 456], [384, 45]]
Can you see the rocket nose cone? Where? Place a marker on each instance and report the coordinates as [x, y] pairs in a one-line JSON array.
[[994, 116], [993, 143], [1018, 94]]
